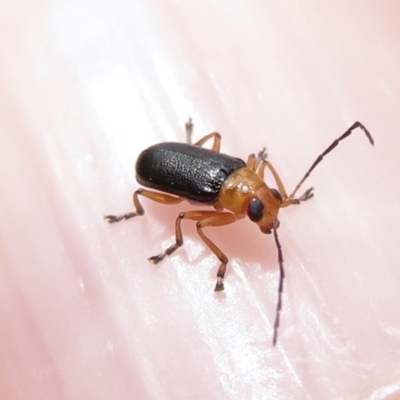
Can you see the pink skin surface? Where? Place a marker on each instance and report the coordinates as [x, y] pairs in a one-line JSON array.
[[85, 86]]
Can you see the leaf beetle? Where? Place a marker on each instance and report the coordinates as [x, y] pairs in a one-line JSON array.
[[177, 172]]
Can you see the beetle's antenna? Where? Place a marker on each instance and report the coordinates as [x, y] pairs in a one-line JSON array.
[[280, 288], [330, 148]]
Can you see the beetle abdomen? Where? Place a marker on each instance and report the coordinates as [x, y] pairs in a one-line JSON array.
[[185, 170]]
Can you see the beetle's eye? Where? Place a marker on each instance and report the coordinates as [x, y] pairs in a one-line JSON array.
[[277, 195], [255, 210]]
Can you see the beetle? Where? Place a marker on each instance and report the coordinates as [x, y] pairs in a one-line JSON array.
[[176, 172]]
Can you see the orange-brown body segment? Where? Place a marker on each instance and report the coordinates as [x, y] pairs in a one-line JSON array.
[[240, 188]]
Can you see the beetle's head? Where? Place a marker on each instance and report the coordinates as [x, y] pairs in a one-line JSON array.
[[263, 209]]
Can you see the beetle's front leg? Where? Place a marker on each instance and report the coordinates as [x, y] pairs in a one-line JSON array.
[[286, 200], [308, 194]]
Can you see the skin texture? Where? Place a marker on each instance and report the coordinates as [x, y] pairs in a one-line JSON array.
[[85, 86]]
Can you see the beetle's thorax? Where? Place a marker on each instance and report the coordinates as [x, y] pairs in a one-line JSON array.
[[240, 188]]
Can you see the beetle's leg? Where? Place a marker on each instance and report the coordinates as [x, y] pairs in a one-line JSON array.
[[189, 130], [213, 135], [261, 156], [155, 196], [205, 219], [193, 215], [218, 219], [254, 161], [304, 197], [217, 141], [286, 200]]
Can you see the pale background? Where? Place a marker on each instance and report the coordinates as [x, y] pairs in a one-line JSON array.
[[84, 86]]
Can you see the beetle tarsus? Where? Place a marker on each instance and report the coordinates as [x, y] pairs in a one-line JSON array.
[[116, 218], [189, 130], [219, 287], [308, 194], [156, 259], [261, 156]]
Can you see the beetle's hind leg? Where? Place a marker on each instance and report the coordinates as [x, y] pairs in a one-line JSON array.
[[155, 196], [189, 130], [213, 135]]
